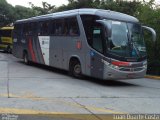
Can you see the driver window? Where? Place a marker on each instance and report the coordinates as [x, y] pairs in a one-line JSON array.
[[93, 31], [97, 38]]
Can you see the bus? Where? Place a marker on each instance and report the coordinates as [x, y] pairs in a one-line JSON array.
[[6, 41], [99, 43]]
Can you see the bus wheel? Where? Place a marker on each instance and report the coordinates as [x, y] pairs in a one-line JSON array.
[[9, 50], [75, 69], [25, 58]]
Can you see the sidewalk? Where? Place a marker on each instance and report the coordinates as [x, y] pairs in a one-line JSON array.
[[153, 77]]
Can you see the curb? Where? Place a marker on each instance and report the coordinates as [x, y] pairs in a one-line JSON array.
[[152, 77]]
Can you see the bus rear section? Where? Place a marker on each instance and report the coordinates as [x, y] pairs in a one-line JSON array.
[[6, 41]]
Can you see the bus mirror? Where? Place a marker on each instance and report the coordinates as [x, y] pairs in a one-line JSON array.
[[152, 31], [107, 26]]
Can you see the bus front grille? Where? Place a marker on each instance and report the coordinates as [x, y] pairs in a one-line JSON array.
[[131, 69]]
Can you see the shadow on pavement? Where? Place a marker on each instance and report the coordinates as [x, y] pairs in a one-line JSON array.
[[115, 83]]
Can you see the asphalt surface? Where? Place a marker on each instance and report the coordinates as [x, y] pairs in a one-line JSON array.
[[36, 89]]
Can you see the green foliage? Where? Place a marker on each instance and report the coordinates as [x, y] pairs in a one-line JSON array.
[[47, 8], [23, 12], [126, 7], [149, 15], [6, 13]]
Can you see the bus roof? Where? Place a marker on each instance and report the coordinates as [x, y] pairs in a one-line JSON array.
[[7, 28], [108, 14]]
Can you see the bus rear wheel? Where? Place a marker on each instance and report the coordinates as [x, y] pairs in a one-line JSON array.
[[9, 50], [75, 69], [25, 58]]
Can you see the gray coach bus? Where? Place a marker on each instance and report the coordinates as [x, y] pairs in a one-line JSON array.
[[93, 42]]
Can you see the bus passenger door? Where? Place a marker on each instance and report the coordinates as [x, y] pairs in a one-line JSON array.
[[96, 54]]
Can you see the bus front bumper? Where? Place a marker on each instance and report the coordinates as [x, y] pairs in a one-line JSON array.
[[113, 74]]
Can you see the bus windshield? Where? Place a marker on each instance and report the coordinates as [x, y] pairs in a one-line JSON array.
[[126, 40], [136, 35], [5, 33]]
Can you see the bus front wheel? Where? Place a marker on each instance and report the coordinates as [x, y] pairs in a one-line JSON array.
[[75, 69]]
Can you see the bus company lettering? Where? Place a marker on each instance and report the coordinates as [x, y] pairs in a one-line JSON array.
[[45, 42]]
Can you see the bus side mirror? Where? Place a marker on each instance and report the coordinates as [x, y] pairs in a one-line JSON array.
[[152, 31], [107, 25]]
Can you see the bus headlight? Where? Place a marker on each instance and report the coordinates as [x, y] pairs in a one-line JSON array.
[[111, 65], [145, 64], [114, 66]]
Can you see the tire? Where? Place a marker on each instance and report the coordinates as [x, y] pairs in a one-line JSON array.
[[75, 69], [9, 50], [25, 58]]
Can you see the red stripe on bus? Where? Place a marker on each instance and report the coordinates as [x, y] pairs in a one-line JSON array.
[[31, 50], [120, 63]]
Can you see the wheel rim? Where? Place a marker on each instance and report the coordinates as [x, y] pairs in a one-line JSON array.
[[77, 69], [8, 49], [25, 59]]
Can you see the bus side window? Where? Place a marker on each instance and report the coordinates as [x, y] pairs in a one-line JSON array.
[[33, 28], [17, 30], [65, 27], [73, 27], [93, 32], [97, 39], [44, 28], [52, 30], [59, 27], [25, 29], [6, 33], [30, 32]]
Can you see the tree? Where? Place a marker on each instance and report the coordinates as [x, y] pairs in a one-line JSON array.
[[6, 13], [149, 15], [45, 9], [120, 6], [48, 7], [22, 12]]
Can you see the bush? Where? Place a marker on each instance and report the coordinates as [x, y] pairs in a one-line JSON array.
[[154, 67]]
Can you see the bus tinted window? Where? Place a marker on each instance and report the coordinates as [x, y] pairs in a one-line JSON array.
[[25, 29], [5, 33], [73, 27], [44, 28], [97, 40], [28, 29], [32, 28], [52, 30], [93, 32], [65, 27], [17, 29], [59, 27]]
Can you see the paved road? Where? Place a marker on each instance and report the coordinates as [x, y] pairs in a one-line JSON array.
[[38, 89]]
